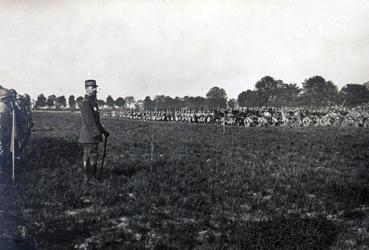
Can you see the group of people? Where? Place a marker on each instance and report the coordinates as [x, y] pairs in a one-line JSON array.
[[15, 125], [256, 117]]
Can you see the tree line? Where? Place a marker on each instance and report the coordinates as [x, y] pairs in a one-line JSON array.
[[315, 91]]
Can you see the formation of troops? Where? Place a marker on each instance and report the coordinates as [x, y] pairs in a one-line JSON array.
[[15, 125], [258, 117]]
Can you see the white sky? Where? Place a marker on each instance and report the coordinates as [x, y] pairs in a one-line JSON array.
[[179, 48]]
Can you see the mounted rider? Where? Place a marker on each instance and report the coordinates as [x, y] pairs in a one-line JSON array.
[[23, 120]]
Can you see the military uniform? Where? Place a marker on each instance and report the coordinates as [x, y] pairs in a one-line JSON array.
[[91, 131], [27, 114], [24, 120]]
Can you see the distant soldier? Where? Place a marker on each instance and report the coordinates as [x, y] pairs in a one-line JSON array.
[[91, 130]]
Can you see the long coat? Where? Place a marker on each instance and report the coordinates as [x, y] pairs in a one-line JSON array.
[[91, 129]]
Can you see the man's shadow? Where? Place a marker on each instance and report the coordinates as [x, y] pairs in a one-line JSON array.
[[51, 151]]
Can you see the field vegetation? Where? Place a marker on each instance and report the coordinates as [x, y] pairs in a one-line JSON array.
[[191, 186]]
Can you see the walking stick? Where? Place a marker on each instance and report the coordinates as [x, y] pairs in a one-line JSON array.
[[12, 145], [104, 154]]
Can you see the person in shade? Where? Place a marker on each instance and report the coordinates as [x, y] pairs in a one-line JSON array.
[[91, 129], [5, 129]]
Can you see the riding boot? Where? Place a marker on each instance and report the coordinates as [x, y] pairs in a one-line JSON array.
[[93, 169], [86, 166]]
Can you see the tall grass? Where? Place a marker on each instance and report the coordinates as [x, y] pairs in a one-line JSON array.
[[183, 186]]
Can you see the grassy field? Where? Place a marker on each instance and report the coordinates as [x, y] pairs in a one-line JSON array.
[[185, 186]]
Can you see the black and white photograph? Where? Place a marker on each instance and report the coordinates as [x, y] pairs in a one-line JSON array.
[[172, 124]]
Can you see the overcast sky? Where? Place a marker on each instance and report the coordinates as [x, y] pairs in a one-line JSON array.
[[179, 48]]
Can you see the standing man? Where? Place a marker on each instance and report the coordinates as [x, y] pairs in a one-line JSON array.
[[91, 130]]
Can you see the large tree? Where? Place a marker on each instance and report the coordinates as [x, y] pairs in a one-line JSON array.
[[159, 102], [79, 99], [319, 92], [216, 98], [50, 102], [148, 103], [60, 101], [354, 94], [110, 101], [120, 102], [187, 102], [199, 103], [288, 95], [267, 83], [249, 98], [41, 101], [269, 90], [178, 103], [72, 103], [129, 100], [168, 103]]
